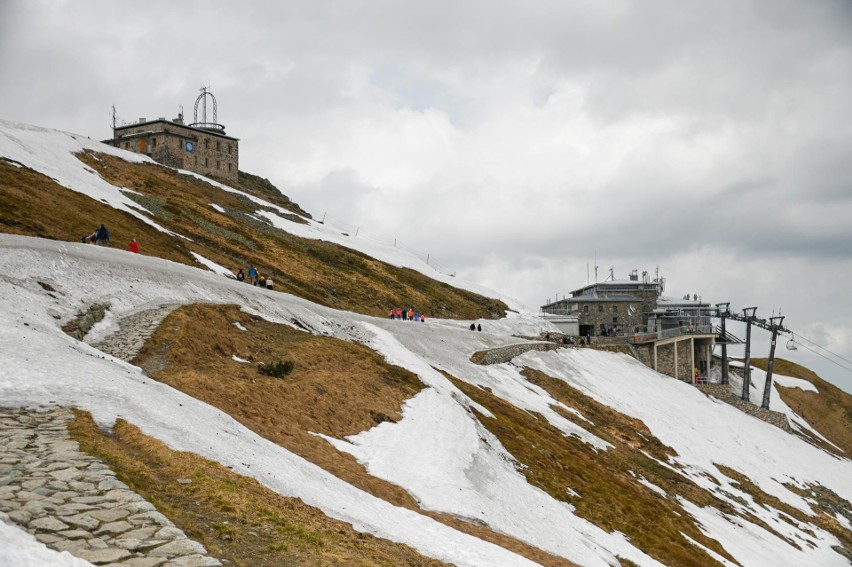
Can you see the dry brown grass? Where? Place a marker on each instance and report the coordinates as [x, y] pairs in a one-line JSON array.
[[325, 273], [234, 517], [319, 271], [829, 411], [336, 388], [610, 496]]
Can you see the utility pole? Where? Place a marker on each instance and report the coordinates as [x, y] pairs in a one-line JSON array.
[[747, 368], [723, 314], [775, 327]]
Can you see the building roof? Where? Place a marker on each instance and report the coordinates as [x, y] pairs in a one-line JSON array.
[[595, 299], [619, 285], [172, 124]]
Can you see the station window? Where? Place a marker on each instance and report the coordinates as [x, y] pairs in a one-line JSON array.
[[206, 162], [154, 144], [218, 146], [585, 309], [229, 148], [600, 308], [615, 308]]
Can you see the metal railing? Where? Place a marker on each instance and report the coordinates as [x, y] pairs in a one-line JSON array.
[[673, 332]]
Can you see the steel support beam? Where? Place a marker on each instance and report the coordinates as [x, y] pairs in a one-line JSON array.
[[747, 364], [768, 384]]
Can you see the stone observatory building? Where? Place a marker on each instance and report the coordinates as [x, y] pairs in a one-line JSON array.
[[202, 146]]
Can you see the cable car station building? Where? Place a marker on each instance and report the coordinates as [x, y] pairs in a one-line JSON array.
[[201, 147], [672, 336]]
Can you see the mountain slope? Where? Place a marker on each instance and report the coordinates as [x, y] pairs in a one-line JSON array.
[[572, 456]]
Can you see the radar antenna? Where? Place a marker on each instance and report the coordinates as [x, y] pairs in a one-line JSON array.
[[204, 124]]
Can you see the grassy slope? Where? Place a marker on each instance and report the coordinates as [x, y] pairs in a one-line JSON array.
[[609, 495], [322, 272], [336, 388], [234, 517], [829, 411]]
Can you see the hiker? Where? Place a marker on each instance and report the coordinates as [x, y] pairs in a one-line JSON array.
[[102, 236], [391, 313], [417, 315], [262, 281], [404, 314], [398, 313], [134, 246], [241, 275], [472, 326], [410, 313], [92, 238], [252, 275], [479, 328], [268, 283], [422, 318]]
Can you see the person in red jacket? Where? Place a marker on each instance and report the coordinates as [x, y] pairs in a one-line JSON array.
[[134, 246]]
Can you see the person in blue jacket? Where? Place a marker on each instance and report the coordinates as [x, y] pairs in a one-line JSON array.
[[102, 236]]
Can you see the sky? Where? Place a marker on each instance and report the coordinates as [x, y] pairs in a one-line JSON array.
[[517, 144]]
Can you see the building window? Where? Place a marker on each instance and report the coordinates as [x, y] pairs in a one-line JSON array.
[[600, 308], [206, 162], [229, 148], [206, 144], [585, 309], [615, 320], [229, 168], [218, 146], [154, 145], [615, 308], [180, 144], [217, 166], [126, 145]]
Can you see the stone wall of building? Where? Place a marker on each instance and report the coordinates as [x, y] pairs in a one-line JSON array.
[[606, 314], [685, 367], [177, 145]]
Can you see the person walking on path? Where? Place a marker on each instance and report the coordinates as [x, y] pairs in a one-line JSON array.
[[410, 313], [252, 276], [399, 313], [134, 246], [422, 318], [472, 327], [391, 313], [268, 283], [479, 328], [102, 236], [241, 275]]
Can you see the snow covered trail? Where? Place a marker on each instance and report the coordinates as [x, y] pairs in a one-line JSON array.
[[74, 374]]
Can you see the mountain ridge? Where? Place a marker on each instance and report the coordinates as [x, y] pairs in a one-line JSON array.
[[552, 458]]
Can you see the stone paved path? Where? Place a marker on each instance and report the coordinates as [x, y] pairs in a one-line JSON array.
[[133, 332], [73, 502]]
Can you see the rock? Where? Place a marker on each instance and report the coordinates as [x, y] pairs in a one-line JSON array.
[[179, 547], [102, 556], [49, 524]]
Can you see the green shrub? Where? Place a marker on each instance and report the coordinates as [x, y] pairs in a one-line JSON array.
[[276, 369]]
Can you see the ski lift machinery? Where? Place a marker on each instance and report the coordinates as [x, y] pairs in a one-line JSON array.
[[791, 344]]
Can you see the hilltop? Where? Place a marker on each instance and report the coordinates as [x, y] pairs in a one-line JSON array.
[[386, 444]]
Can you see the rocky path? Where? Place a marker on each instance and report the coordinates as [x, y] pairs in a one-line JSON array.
[[73, 502], [133, 332]]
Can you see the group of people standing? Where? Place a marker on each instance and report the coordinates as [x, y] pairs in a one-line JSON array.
[[407, 314], [101, 238], [254, 278]]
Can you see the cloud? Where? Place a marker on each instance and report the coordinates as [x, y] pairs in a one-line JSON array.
[[513, 143]]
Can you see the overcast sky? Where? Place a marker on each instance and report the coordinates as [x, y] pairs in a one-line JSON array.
[[514, 142]]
